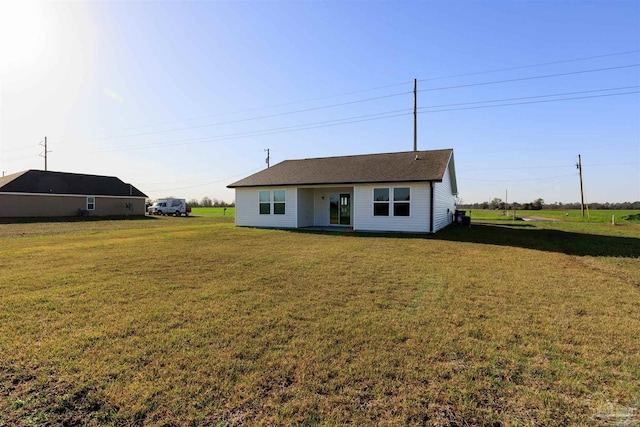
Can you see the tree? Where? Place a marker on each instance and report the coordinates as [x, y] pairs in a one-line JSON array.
[[496, 203], [537, 204], [206, 202]]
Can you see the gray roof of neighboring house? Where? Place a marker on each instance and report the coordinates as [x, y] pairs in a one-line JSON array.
[[46, 182], [369, 168]]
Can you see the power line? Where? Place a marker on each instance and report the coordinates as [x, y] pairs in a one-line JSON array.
[[354, 92], [530, 66], [389, 86], [269, 131], [612, 164], [264, 133], [519, 168], [390, 115], [529, 102], [258, 117], [274, 106], [12, 150], [363, 100], [210, 182], [547, 167], [518, 180], [21, 157], [530, 78], [337, 122], [530, 97]]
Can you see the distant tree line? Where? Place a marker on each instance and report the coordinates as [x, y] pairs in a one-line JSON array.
[[499, 204], [207, 202]]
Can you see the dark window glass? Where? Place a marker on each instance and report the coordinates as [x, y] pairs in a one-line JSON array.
[[381, 209], [334, 213], [401, 194], [401, 209], [380, 194], [265, 208], [345, 209], [278, 208]]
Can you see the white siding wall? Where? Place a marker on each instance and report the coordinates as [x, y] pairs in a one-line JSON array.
[[248, 208], [305, 207], [417, 222], [321, 203], [444, 201]]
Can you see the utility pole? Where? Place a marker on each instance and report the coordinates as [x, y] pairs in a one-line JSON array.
[[45, 152], [579, 166], [415, 114], [267, 160], [506, 208]]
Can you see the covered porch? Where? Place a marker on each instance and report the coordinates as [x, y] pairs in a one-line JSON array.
[[325, 207]]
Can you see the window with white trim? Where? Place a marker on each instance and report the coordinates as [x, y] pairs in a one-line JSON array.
[[380, 202], [279, 202], [91, 203], [401, 201], [265, 202], [398, 205]]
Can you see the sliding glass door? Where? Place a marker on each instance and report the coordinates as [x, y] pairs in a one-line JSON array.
[[340, 209]]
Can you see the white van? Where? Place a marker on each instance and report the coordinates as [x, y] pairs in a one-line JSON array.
[[175, 207]]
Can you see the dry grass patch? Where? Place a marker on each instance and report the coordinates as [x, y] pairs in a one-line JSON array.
[[179, 321]]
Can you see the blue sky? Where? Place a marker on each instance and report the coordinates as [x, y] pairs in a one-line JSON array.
[[182, 98]]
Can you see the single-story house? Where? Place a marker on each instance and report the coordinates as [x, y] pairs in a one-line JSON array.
[[413, 191], [37, 193]]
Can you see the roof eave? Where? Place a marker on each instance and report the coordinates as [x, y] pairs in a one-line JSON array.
[[332, 184]]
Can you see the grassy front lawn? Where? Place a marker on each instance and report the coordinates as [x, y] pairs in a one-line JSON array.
[[176, 321]]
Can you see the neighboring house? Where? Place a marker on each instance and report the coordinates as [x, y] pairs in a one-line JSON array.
[[410, 191], [36, 193]]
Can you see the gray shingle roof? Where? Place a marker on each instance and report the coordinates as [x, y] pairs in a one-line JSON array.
[[47, 182], [369, 168]]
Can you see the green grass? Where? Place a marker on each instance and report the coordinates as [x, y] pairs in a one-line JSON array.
[[176, 321], [622, 217], [214, 211]]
